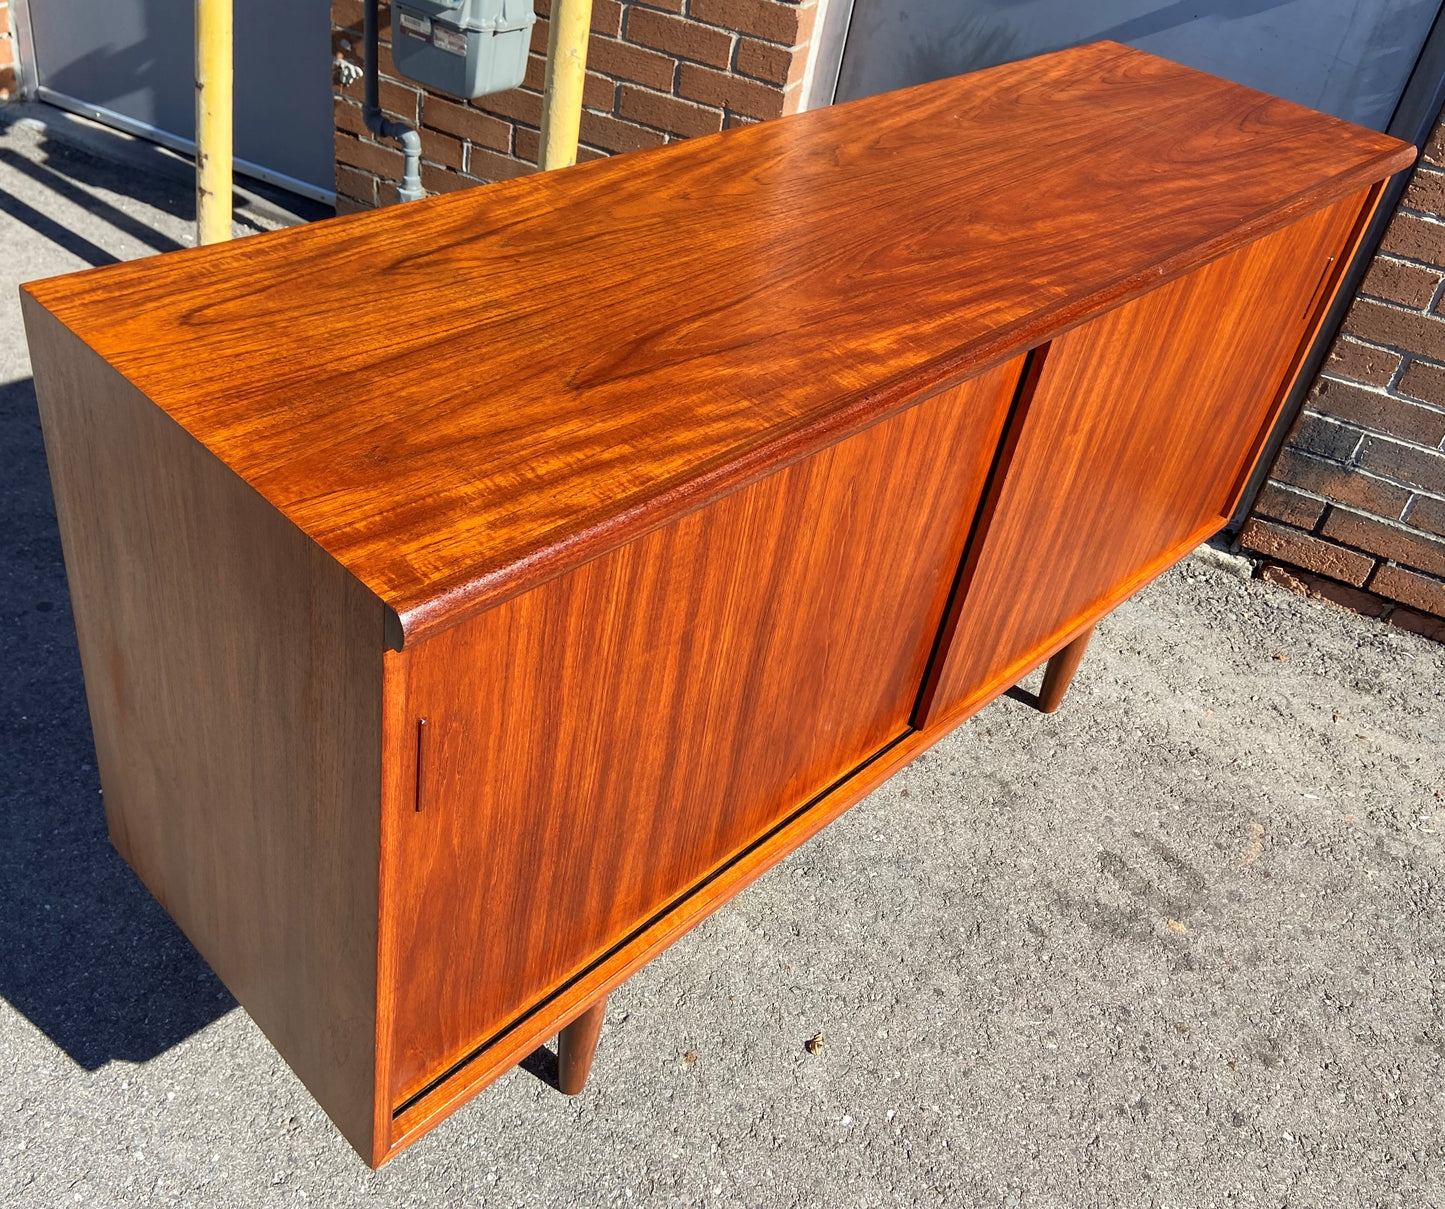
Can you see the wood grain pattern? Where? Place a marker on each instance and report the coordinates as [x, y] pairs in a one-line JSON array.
[[596, 746], [462, 397], [1130, 451], [719, 886], [233, 673], [661, 478], [739, 869], [1060, 672], [576, 1046]]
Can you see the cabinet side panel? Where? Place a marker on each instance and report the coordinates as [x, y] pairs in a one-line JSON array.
[[1130, 451], [233, 674], [593, 748]]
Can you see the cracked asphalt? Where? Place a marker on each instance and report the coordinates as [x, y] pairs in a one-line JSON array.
[[1176, 945]]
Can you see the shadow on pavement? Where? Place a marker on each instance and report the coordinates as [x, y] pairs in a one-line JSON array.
[[83, 169], [86, 955], [58, 234], [1023, 696], [542, 1064]]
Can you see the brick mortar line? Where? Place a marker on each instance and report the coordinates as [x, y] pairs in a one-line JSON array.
[[1315, 530], [1364, 589], [1365, 430], [1390, 606], [1396, 565], [1426, 215], [1354, 449], [1401, 258], [1405, 310], [735, 33], [1346, 334], [1398, 258], [1436, 295], [1400, 525], [678, 55], [666, 96], [1428, 311], [1408, 356], [1361, 473], [1384, 392], [1380, 560], [1398, 376]]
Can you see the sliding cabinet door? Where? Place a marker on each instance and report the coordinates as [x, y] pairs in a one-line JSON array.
[[1129, 448], [591, 750]]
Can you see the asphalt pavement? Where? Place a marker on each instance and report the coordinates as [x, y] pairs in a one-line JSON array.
[[1179, 944]]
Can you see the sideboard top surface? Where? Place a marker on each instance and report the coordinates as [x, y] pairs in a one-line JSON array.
[[462, 396]]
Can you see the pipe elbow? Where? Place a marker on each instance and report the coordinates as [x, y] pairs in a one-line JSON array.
[[384, 128], [410, 188]]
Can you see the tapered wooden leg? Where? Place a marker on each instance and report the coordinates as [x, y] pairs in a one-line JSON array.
[[575, 1046], [1060, 672]]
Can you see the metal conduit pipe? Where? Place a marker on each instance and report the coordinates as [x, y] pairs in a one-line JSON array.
[[562, 88], [214, 76], [410, 188]]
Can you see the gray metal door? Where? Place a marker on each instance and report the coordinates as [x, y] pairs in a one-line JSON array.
[[131, 64], [1346, 57]]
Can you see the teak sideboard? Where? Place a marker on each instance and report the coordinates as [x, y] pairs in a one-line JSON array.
[[474, 594]]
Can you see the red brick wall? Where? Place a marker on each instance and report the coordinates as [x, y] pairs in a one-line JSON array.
[[9, 79], [657, 71], [1354, 508]]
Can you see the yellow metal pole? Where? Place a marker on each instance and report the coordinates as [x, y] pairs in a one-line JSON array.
[[562, 90], [214, 76]]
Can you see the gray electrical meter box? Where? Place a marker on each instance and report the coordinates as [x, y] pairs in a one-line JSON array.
[[467, 48]]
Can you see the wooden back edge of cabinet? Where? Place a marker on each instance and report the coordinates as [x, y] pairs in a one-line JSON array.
[[463, 397], [400, 1125]]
